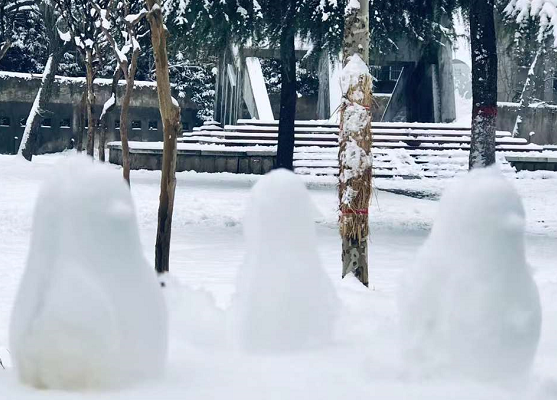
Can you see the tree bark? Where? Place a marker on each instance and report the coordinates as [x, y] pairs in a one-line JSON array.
[[4, 47], [81, 122], [484, 83], [170, 115], [288, 97], [124, 129], [355, 145], [91, 125], [32, 126], [102, 119]]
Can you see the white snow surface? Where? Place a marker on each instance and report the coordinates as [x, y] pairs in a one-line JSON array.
[[352, 71], [364, 359], [469, 304], [89, 313], [284, 299]]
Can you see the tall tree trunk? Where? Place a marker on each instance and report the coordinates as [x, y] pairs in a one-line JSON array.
[[4, 47], [170, 115], [355, 144], [484, 83], [287, 118], [526, 93], [124, 129], [108, 107], [81, 122], [32, 126], [124, 113], [91, 125]]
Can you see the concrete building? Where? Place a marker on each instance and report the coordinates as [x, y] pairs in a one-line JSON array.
[[59, 126]]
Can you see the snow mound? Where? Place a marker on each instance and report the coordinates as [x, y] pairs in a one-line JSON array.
[[469, 305], [89, 313], [285, 300], [194, 316]]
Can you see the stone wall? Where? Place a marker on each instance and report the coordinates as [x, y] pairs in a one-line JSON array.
[[542, 120], [237, 162], [59, 122]]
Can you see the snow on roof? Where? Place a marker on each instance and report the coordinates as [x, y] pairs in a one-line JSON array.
[[98, 81]]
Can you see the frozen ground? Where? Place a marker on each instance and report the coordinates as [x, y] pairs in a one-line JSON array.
[[207, 248]]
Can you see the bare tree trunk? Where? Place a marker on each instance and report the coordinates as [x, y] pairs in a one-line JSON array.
[[288, 96], [4, 47], [91, 125], [355, 144], [32, 126], [170, 114], [81, 122], [107, 109], [526, 93], [124, 128], [484, 83]]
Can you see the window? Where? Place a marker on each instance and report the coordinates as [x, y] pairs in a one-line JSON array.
[[185, 126], [65, 123], [394, 73], [153, 125], [22, 121], [136, 125], [4, 121], [117, 124], [46, 123]]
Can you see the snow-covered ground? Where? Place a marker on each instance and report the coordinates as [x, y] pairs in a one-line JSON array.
[[363, 361]]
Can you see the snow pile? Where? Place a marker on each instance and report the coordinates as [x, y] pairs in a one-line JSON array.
[[469, 306], [89, 313], [285, 300]]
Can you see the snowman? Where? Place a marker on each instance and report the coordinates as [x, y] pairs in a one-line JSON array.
[[469, 305], [285, 301], [89, 313]]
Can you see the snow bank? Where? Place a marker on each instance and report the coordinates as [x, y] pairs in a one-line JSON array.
[[469, 305], [89, 313], [285, 300]]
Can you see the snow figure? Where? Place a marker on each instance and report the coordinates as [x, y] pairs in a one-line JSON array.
[[469, 306], [89, 313], [285, 300]]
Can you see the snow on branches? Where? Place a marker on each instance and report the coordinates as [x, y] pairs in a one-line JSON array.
[[545, 11]]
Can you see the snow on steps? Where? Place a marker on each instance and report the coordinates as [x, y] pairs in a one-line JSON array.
[[411, 150]]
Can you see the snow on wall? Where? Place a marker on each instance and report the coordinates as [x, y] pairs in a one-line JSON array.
[[469, 305], [285, 300], [89, 312]]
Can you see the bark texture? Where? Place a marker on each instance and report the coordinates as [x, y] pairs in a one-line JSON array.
[[288, 97], [81, 122], [91, 122], [484, 83], [170, 115], [355, 148]]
